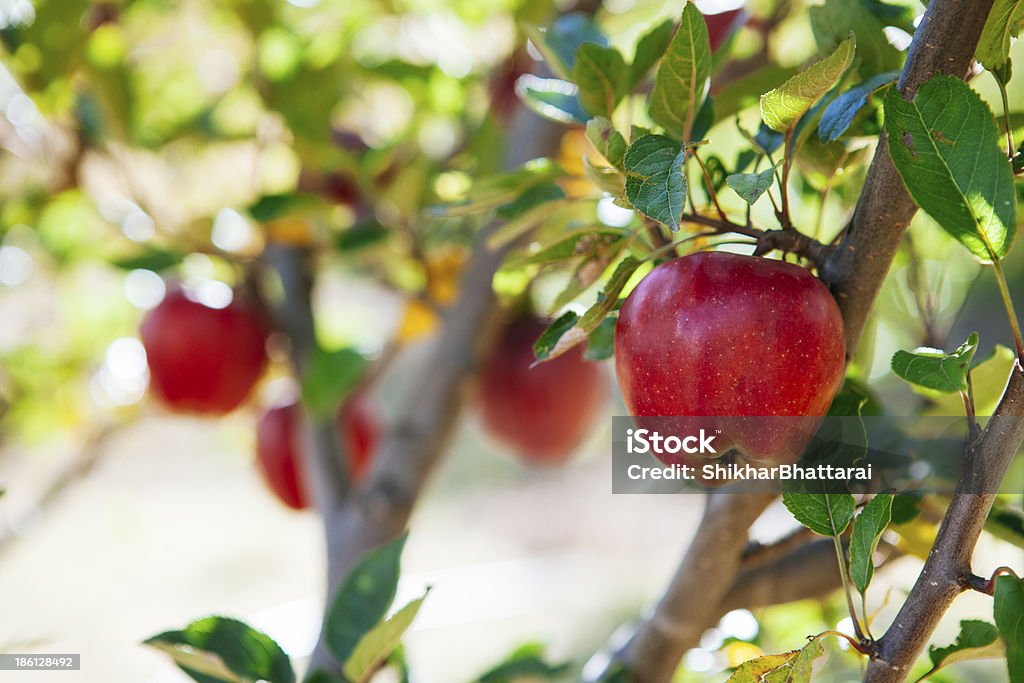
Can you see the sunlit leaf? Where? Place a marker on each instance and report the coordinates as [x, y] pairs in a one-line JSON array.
[[933, 369], [682, 76], [782, 107]]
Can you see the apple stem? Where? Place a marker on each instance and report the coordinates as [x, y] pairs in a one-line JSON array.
[[1011, 313]]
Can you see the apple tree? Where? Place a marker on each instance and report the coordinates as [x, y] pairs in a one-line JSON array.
[[744, 211]]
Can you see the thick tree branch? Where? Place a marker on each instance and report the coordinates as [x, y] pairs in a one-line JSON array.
[[943, 43], [691, 602], [946, 572]]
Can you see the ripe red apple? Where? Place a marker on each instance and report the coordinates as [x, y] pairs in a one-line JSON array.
[[202, 359], [278, 443], [724, 24], [745, 344], [542, 412]]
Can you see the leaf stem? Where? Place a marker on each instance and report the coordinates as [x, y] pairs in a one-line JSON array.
[[853, 643], [787, 162], [1011, 313], [711, 188], [1006, 115], [841, 557]]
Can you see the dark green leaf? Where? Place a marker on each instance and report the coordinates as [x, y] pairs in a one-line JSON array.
[[526, 663], [1005, 20], [945, 145], [867, 530], [750, 186], [905, 507], [976, 640], [360, 236], [363, 598], [783, 107], [223, 649], [840, 112], [649, 50], [606, 140], [530, 198], [154, 259], [1009, 613], [933, 369], [682, 76], [602, 78], [328, 378], [601, 344], [377, 645], [704, 119], [547, 341], [655, 182], [272, 207], [1006, 523]]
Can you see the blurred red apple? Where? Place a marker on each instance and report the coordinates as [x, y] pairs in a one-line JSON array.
[[543, 412], [747, 344], [202, 359], [278, 446], [724, 24]]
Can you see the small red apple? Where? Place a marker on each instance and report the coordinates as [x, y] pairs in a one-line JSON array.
[[723, 24], [202, 359], [745, 344], [278, 444], [542, 412]]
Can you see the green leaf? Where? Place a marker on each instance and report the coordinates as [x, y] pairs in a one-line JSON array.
[[328, 378], [154, 259], [361, 235], [782, 107], [559, 42], [988, 379], [531, 197], [1009, 614], [655, 182], [746, 92], [590, 269], [867, 530], [606, 140], [933, 369], [601, 343], [552, 98], [836, 19], [377, 645], [945, 145], [750, 186], [548, 340], [527, 662], [570, 330], [602, 78], [580, 243], [755, 670], [1006, 523], [841, 111], [976, 640], [272, 207], [223, 649], [501, 188], [905, 507], [649, 50], [826, 514], [1005, 20], [363, 598], [682, 76], [788, 667]]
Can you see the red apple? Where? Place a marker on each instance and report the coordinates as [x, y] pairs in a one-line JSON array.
[[745, 344], [202, 359], [724, 24], [278, 444], [542, 412]]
